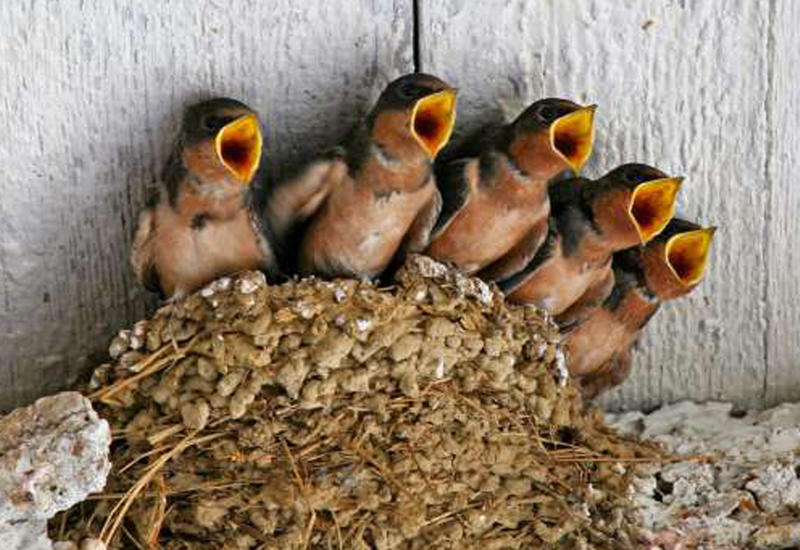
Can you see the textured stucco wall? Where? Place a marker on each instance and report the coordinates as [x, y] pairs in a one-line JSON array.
[[92, 90]]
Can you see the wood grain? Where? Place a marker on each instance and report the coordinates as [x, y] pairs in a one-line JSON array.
[[780, 179], [91, 96], [681, 85]]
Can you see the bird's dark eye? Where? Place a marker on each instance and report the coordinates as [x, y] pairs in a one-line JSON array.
[[549, 113], [410, 90], [637, 176], [214, 123]]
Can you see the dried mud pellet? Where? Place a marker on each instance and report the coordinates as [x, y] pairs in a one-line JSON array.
[[219, 351], [262, 520], [153, 340], [549, 354], [289, 342], [130, 359], [239, 403], [136, 430], [119, 344], [137, 341], [543, 408], [160, 393], [198, 384], [140, 327], [494, 346], [470, 379], [358, 381], [243, 352], [209, 515], [189, 365], [516, 486], [245, 301], [547, 386], [527, 384], [218, 401], [173, 402], [560, 416], [100, 377], [179, 330], [332, 349], [228, 384], [316, 331], [473, 343], [206, 369], [405, 347], [453, 342], [440, 327], [259, 325], [292, 375], [500, 370], [310, 394], [406, 375], [92, 544], [195, 414]]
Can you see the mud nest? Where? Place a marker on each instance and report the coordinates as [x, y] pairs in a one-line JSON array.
[[321, 414]]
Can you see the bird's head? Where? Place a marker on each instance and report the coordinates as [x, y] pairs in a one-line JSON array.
[[222, 141], [418, 106]]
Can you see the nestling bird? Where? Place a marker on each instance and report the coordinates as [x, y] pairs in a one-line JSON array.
[[376, 198], [201, 223], [669, 266], [591, 220], [495, 204]]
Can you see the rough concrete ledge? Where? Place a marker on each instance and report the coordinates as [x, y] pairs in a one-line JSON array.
[[739, 486], [52, 455]]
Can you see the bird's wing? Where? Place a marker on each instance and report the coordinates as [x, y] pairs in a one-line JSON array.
[[544, 252], [293, 201], [518, 257], [456, 183], [142, 252], [419, 233], [590, 300], [611, 374]]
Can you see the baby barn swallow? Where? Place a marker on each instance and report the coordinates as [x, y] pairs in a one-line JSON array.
[[590, 221], [669, 266], [495, 205], [200, 225], [378, 198]]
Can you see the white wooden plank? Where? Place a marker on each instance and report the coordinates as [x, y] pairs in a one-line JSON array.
[[91, 96], [783, 146], [681, 85]]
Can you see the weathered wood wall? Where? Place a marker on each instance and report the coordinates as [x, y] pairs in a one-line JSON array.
[[92, 92]]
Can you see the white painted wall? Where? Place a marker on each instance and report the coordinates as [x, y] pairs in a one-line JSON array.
[[92, 90]]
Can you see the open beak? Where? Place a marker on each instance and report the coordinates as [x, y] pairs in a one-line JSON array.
[[433, 119], [687, 254], [653, 205], [572, 136], [238, 146]]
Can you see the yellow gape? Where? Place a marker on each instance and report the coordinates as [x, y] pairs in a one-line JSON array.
[[653, 205], [687, 254], [572, 136], [433, 119], [238, 146]]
